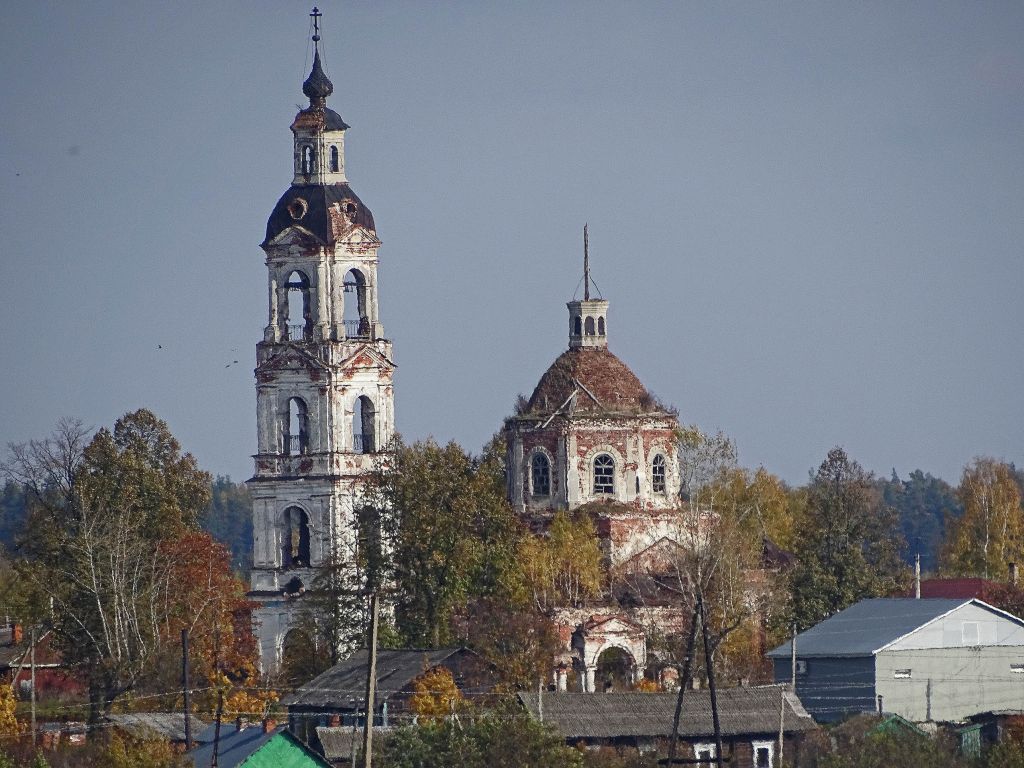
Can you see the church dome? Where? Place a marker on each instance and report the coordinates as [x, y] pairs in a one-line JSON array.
[[603, 383], [327, 211]]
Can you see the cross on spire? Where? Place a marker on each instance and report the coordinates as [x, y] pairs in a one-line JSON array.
[[586, 264], [315, 15]]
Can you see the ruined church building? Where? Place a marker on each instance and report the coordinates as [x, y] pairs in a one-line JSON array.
[[590, 434]]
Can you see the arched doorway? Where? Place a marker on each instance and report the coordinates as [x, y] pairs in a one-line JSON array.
[[300, 659], [615, 670]]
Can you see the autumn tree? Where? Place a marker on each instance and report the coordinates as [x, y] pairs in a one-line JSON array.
[[506, 738], [435, 695], [448, 531], [849, 544], [103, 510], [990, 533], [563, 567]]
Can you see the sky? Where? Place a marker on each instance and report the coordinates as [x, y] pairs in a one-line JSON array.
[[808, 217]]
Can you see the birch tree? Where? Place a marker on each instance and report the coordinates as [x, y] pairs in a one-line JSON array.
[[103, 508], [990, 533]]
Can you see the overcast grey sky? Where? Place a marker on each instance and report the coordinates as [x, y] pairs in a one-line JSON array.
[[808, 217]]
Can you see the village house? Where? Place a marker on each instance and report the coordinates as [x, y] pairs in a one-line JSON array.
[[336, 698], [749, 719], [926, 660], [264, 745]]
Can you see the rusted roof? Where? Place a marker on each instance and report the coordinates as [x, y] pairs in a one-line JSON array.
[[318, 209], [317, 85], [601, 382], [742, 712]]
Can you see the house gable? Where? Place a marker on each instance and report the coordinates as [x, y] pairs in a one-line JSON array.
[[284, 751], [972, 624]]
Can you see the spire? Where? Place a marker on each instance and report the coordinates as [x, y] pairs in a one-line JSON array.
[[317, 86], [588, 321], [586, 264]]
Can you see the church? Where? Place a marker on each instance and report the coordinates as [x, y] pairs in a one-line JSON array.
[[590, 437]]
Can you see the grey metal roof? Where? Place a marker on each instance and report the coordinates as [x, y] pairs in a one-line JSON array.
[[344, 684], [338, 742], [167, 725], [318, 199], [867, 626], [742, 711]]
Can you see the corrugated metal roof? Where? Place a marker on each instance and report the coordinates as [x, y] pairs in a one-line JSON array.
[[168, 725], [742, 711], [338, 742], [344, 684], [867, 626]]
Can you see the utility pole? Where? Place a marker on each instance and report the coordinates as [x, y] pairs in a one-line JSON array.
[[371, 683], [32, 673], [184, 689], [540, 699], [711, 682], [917, 576], [782, 719], [792, 659], [687, 669]]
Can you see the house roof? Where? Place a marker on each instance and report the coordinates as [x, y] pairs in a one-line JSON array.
[[344, 684], [235, 747], [964, 588], [167, 725], [339, 742], [742, 711], [313, 213], [867, 627]]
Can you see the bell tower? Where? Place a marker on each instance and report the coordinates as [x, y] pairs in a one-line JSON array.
[[324, 399]]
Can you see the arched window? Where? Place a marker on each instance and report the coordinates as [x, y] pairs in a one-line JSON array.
[[297, 433], [600, 326], [577, 326], [658, 474], [364, 426], [297, 315], [295, 545], [589, 326], [604, 474], [334, 159], [307, 159], [356, 315], [540, 475]]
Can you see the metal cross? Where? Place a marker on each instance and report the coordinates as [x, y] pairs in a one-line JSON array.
[[316, 24]]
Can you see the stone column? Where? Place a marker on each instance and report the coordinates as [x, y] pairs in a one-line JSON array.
[[590, 681], [562, 678]]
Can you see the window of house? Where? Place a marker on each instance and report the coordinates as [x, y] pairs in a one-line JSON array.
[[764, 753], [901, 674], [600, 326], [334, 159], [1017, 669], [307, 159], [658, 474], [297, 436], [295, 546], [588, 326], [971, 636], [604, 474], [705, 753], [540, 474], [801, 667]]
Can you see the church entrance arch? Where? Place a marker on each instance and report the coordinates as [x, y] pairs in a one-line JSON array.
[[616, 670]]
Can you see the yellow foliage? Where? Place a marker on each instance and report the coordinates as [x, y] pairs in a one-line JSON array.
[[646, 685], [244, 701], [9, 725], [435, 695]]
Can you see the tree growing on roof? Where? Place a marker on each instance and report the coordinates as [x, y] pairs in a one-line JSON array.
[[849, 543], [990, 533]]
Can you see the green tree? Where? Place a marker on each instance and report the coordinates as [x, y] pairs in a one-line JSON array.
[[990, 533], [449, 531], [924, 504], [849, 547], [102, 512], [228, 517], [493, 740]]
